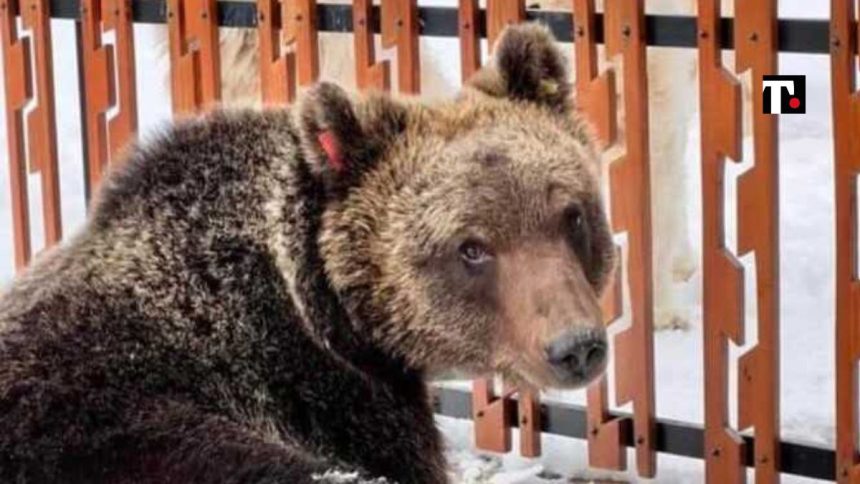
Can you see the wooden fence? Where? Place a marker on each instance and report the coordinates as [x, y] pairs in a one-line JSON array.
[[108, 80]]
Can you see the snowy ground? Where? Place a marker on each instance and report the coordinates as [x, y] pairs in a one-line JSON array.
[[807, 264]]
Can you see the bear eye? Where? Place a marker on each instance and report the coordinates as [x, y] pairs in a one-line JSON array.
[[577, 231], [474, 253], [575, 220]]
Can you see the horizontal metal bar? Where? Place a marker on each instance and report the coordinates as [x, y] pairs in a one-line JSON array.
[[795, 35], [673, 437]]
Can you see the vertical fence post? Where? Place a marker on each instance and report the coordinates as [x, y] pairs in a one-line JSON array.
[[630, 195], [758, 232], [846, 137], [195, 68], [369, 74], [101, 65], [470, 38], [400, 30], [40, 151], [286, 25], [723, 284], [596, 99], [500, 14]]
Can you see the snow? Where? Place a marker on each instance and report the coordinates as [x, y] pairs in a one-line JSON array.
[[807, 265]]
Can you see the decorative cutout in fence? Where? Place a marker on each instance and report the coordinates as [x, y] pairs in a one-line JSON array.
[[32, 136], [109, 81], [846, 127], [195, 67]]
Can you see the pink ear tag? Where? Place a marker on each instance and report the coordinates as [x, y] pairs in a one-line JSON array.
[[331, 146]]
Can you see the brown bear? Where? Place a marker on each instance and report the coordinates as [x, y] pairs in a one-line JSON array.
[[260, 296]]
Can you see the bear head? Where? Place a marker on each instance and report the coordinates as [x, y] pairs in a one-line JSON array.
[[469, 234]]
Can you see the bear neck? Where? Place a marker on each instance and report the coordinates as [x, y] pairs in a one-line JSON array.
[[295, 220]]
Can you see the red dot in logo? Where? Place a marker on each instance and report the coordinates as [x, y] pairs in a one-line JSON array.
[[794, 103]]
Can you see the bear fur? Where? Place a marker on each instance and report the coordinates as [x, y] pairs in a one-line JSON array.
[[248, 303], [672, 85]]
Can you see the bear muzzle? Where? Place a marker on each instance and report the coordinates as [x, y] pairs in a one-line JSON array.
[[578, 356]]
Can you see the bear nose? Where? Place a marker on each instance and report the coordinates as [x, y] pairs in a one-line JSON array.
[[577, 355]]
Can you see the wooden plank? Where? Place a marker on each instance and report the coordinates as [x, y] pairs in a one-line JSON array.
[[723, 278], [400, 31], [491, 417], [19, 90], [300, 32], [500, 14], [42, 122], [595, 96], [123, 127], [40, 151], [595, 92], [103, 64], [276, 66], [289, 49], [530, 424], [756, 49], [846, 139], [470, 38], [194, 55], [630, 194], [369, 74]]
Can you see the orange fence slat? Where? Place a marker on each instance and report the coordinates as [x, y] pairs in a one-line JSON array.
[[595, 97], [41, 122], [722, 273], [39, 128], [19, 90], [289, 54], [846, 138], [758, 233], [500, 14], [276, 67], [368, 73], [630, 195], [195, 68], [400, 30], [491, 414], [102, 64], [595, 92], [470, 38]]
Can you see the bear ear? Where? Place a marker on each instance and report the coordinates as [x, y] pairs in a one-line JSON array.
[[528, 65], [342, 138]]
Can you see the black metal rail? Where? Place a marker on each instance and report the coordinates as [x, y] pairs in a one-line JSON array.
[[795, 35], [675, 438]]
